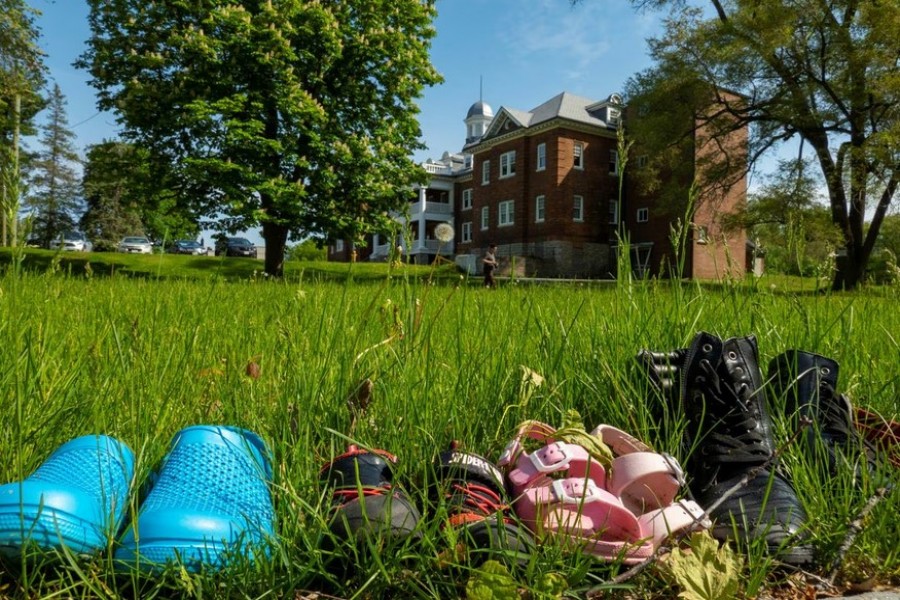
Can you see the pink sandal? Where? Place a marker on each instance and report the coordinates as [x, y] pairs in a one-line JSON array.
[[647, 483], [624, 512]]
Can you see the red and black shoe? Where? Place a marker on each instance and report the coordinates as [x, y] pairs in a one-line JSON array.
[[364, 499], [473, 492]]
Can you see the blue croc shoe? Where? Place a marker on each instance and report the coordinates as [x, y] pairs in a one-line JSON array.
[[210, 503], [76, 499]]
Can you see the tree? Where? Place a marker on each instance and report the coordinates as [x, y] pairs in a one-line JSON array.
[[55, 201], [21, 79], [789, 220], [825, 73], [127, 194], [111, 193], [299, 116]]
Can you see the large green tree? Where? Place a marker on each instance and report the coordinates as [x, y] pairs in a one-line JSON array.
[[22, 73], [55, 196], [825, 72], [296, 115]]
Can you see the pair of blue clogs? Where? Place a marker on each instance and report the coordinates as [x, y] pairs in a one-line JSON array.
[[209, 504]]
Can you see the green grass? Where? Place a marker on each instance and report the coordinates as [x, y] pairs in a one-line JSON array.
[[164, 344], [173, 266]]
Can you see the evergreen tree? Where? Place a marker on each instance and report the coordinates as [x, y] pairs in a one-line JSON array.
[[112, 194], [55, 201]]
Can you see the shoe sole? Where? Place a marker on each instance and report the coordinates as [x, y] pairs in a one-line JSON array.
[[48, 529]]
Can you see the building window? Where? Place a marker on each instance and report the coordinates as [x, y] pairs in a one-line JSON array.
[[508, 164], [613, 212], [485, 217], [539, 209], [613, 162], [643, 215], [505, 213], [467, 199], [541, 157], [466, 234], [642, 161], [578, 156], [339, 246], [612, 116], [485, 172], [578, 209]]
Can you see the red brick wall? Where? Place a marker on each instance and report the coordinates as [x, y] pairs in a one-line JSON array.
[[559, 183], [724, 252]]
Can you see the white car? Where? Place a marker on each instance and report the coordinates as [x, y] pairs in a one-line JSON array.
[[71, 241], [135, 245]]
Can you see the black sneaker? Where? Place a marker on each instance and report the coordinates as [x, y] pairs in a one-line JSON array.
[[473, 491], [364, 499]]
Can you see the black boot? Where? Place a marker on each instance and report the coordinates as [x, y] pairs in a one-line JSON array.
[[729, 435], [808, 384], [664, 370]]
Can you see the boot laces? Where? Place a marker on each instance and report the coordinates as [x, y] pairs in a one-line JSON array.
[[835, 414], [837, 422], [735, 435]]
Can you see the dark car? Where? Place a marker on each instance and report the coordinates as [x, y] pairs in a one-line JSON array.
[[235, 246], [187, 247]]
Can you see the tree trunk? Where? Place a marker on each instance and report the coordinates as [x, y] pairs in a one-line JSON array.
[[849, 271], [276, 238]]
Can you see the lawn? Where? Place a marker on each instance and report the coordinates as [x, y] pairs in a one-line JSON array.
[[168, 342]]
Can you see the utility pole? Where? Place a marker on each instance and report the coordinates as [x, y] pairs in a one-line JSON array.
[[11, 214]]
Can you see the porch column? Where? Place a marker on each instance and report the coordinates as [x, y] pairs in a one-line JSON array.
[[422, 230]]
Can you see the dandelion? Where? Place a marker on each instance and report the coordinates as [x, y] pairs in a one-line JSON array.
[[444, 232]]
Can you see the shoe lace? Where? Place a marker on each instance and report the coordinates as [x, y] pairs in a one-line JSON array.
[[478, 498], [734, 436], [344, 495], [835, 416], [837, 421]]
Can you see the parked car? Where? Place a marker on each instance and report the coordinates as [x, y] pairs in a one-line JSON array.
[[71, 241], [135, 245], [187, 247], [235, 246]]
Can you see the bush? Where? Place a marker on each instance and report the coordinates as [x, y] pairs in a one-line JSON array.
[[306, 250]]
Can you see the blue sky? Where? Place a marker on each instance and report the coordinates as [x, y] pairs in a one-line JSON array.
[[524, 51]]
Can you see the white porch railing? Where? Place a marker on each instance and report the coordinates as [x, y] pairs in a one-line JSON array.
[[438, 169]]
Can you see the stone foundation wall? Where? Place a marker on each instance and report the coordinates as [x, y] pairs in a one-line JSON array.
[[552, 259]]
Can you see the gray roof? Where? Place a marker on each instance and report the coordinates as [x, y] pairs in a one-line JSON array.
[[567, 106], [480, 109], [564, 105]]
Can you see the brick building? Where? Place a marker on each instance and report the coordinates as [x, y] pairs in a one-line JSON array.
[[544, 185]]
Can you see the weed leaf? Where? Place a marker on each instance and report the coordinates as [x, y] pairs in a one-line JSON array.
[[705, 571], [491, 582]]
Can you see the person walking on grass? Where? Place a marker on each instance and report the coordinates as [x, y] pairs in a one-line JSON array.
[[489, 263]]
